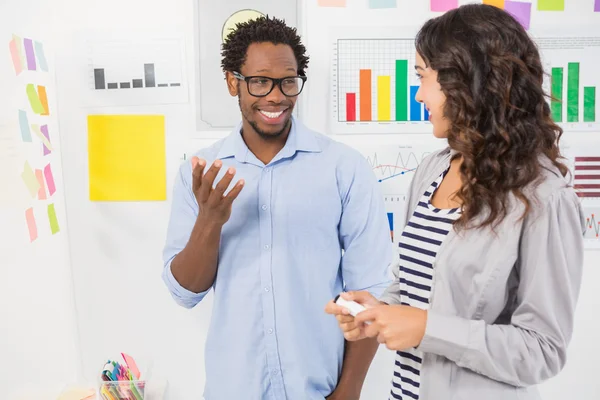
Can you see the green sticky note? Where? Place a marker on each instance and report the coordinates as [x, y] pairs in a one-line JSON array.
[[53, 220], [551, 5], [34, 100]]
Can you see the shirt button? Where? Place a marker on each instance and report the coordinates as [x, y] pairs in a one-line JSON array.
[[267, 247], [266, 289], [275, 372], [264, 207], [270, 330]]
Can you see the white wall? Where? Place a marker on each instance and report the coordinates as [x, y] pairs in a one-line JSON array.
[[39, 343], [115, 248]]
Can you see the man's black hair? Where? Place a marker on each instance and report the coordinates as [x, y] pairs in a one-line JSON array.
[[260, 30]]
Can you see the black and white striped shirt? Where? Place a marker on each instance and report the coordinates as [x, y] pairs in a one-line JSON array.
[[419, 244]]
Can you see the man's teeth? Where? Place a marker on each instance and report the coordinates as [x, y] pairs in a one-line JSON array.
[[271, 114]]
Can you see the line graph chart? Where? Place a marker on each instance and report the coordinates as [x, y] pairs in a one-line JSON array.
[[394, 168], [592, 223], [591, 210]]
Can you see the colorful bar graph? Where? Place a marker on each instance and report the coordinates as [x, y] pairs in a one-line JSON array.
[[350, 106], [573, 92], [391, 222], [589, 104], [383, 98], [401, 90], [557, 94], [415, 106], [365, 95]]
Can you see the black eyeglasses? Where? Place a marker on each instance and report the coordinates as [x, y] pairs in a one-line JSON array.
[[261, 86]]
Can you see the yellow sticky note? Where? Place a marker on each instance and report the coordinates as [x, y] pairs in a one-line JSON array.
[[495, 3], [127, 160], [34, 100], [30, 180]]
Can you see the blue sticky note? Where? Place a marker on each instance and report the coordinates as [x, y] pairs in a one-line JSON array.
[[382, 3], [24, 125], [41, 57]]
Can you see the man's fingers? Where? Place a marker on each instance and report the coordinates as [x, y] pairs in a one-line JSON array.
[[353, 335], [234, 192], [197, 172], [361, 297], [336, 309], [343, 319], [209, 179], [217, 194]]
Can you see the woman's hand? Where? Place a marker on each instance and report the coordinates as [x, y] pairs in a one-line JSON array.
[[352, 331], [398, 327]]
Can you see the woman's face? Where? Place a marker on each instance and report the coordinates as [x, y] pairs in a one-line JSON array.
[[431, 95]]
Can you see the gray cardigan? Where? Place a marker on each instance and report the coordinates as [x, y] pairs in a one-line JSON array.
[[502, 303]]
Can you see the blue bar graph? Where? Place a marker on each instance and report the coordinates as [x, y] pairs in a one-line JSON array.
[[415, 106], [391, 222]]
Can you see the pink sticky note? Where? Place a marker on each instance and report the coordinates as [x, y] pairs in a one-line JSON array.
[[16, 58], [597, 6], [49, 179], [443, 5], [520, 10], [131, 365], [31, 224], [331, 3], [44, 130], [40, 178]]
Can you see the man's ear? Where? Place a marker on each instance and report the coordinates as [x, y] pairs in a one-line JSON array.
[[232, 83]]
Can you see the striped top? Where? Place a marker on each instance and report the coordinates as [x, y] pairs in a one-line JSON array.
[[419, 244]]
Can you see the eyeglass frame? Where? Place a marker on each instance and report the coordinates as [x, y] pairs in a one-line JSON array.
[[276, 81]]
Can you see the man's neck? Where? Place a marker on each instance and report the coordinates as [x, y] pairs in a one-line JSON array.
[[264, 149]]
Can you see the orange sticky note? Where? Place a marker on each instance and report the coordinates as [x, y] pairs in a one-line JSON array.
[[40, 178], [16, 58], [495, 3], [43, 99], [31, 224]]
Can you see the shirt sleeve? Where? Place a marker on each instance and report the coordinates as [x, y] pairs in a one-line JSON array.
[[184, 211], [364, 230], [533, 347]]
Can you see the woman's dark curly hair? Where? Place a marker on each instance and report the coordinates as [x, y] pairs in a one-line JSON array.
[[491, 74], [260, 30]]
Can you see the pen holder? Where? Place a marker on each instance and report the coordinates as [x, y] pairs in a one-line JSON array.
[[123, 390]]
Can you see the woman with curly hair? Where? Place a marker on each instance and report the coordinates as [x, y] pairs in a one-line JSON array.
[[491, 256]]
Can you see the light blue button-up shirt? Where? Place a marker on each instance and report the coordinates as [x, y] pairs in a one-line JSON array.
[[305, 227]]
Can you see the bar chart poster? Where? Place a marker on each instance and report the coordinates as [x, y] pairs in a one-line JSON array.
[[586, 174], [136, 72], [582, 156], [374, 87], [573, 81]]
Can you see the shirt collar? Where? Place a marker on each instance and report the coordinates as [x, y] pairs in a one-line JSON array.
[[299, 139]]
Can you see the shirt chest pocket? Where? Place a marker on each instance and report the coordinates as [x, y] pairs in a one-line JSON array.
[[307, 212], [473, 270]]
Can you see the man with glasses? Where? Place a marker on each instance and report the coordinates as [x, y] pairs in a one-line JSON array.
[[303, 221]]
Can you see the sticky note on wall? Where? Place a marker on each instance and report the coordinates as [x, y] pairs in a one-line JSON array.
[[127, 160]]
